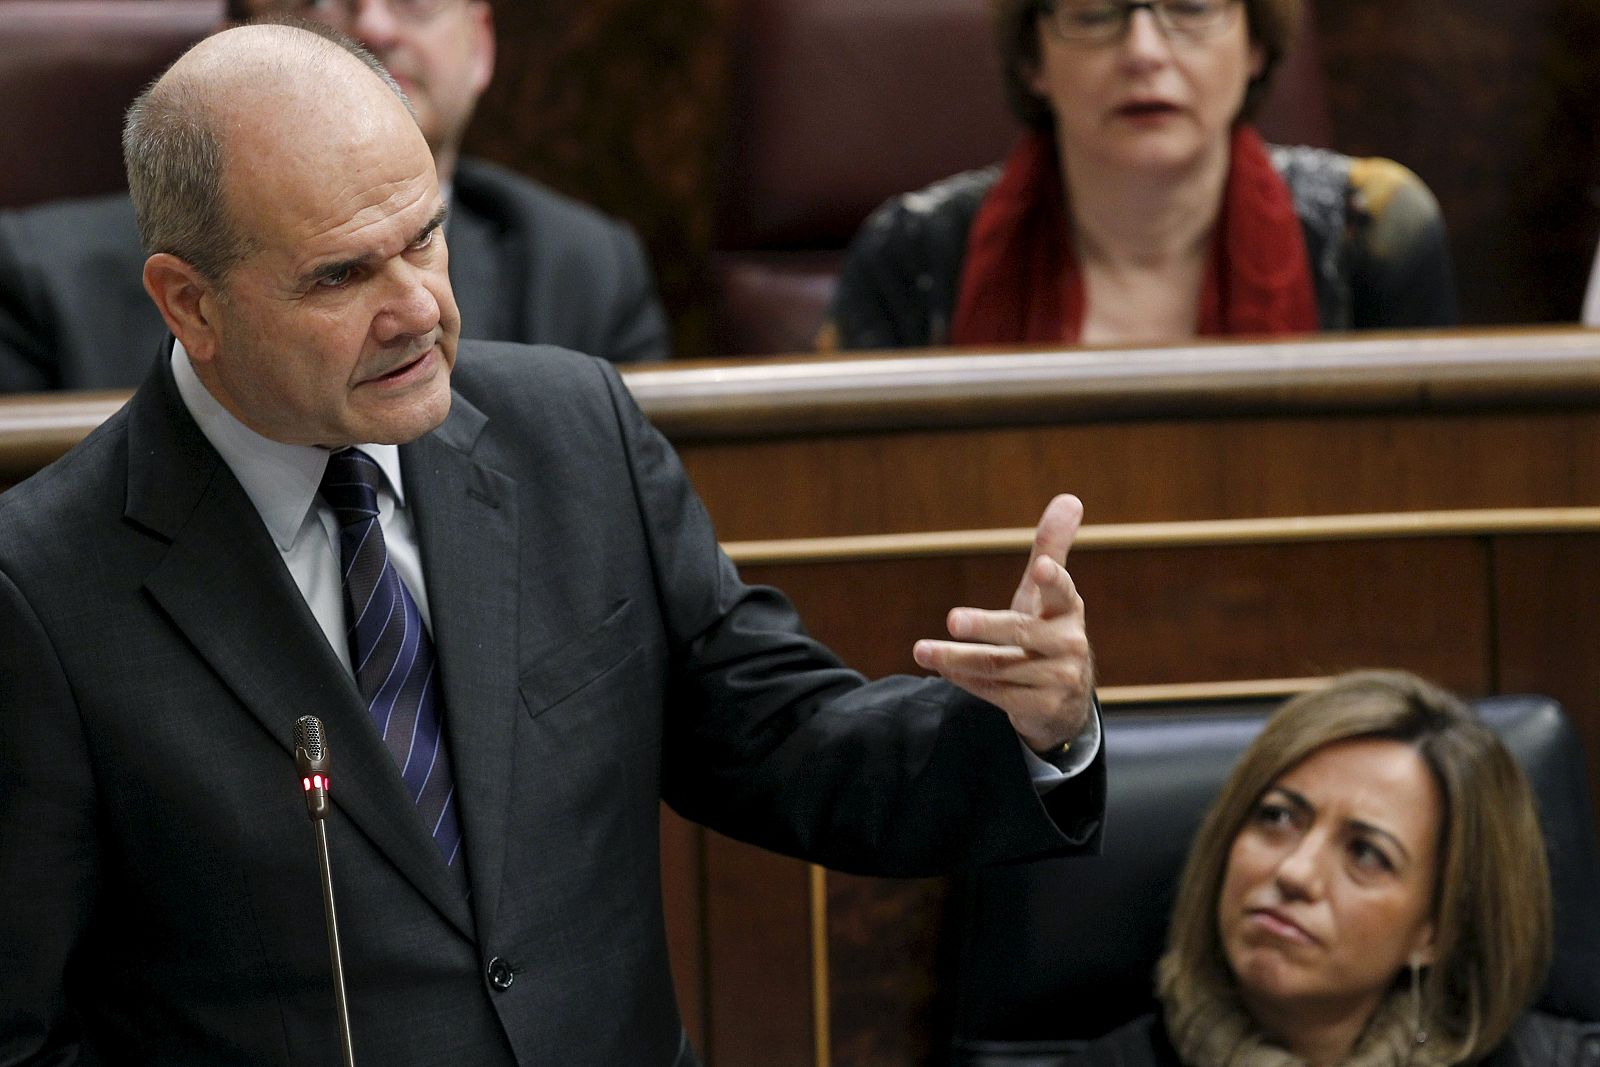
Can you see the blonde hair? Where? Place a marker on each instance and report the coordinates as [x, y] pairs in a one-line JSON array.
[[1492, 894]]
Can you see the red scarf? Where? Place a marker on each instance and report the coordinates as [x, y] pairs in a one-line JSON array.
[[1020, 281]]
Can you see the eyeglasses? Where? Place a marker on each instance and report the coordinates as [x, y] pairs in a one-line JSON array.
[[1102, 21], [346, 10]]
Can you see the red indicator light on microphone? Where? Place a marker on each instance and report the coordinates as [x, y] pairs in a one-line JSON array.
[[307, 783], [316, 780]]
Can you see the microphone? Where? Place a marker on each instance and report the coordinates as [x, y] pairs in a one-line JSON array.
[[311, 758]]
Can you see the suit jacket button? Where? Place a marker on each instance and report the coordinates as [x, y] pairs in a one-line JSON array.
[[500, 973]]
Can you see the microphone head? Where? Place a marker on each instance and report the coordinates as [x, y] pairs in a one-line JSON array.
[[311, 759], [310, 754]]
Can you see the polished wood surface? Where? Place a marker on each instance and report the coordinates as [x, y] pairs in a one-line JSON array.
[[38, 428], [840, 408], [1421, 370], [1169, 534], [934, 442]]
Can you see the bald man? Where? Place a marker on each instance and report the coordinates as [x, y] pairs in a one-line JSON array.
[[487, 575], [532, 265]]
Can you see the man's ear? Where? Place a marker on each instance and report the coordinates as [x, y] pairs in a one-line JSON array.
[[186, 301], [482, 30]]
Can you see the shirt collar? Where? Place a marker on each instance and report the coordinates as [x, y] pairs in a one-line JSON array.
[[281, 480]]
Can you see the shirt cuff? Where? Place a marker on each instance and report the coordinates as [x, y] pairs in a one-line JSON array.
[[1071, 760]]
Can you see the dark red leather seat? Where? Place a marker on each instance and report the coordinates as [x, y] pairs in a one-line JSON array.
[[71, 68]]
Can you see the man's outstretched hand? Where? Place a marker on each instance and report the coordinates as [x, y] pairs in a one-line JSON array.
[[1033, 660]]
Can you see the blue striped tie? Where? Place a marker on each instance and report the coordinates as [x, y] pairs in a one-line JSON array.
[[390, 648]]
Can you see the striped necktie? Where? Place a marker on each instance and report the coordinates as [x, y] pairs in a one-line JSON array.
[[390, 649]]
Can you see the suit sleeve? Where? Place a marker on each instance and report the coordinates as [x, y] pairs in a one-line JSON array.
[[48, 851], [771, 739], [24, 350], [637, 331]]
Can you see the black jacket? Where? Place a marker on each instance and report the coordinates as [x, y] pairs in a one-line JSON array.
[[526, 264], [1376, 240]]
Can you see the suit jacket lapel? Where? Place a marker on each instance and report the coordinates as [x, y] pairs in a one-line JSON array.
[[466, 521], [223, 583]]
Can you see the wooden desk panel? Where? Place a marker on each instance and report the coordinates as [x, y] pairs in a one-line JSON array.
[[1547, 602], [1207, 613], [1143, 471], [945, 440]]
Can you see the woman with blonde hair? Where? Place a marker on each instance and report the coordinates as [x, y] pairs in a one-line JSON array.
[[1369, 889]]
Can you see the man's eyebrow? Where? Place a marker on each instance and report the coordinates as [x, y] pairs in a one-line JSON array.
[[433, 223], [329, 270], [354, 263]]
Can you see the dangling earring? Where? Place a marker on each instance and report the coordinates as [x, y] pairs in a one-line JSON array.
[[1418, 1029]]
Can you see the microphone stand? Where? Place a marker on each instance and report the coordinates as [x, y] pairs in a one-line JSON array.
[[341, 1006], [311, 758]]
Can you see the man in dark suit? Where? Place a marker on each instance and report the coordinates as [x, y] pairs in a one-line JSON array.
[[511, 565], [531, 265]]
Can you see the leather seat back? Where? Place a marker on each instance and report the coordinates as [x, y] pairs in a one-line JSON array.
[[71, 68]]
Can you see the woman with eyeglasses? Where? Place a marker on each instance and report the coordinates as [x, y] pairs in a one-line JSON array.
[[1368, 889], [1140, 206]]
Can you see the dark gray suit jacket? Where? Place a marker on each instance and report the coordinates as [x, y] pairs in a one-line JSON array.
[[599, 654], [526, 265]]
